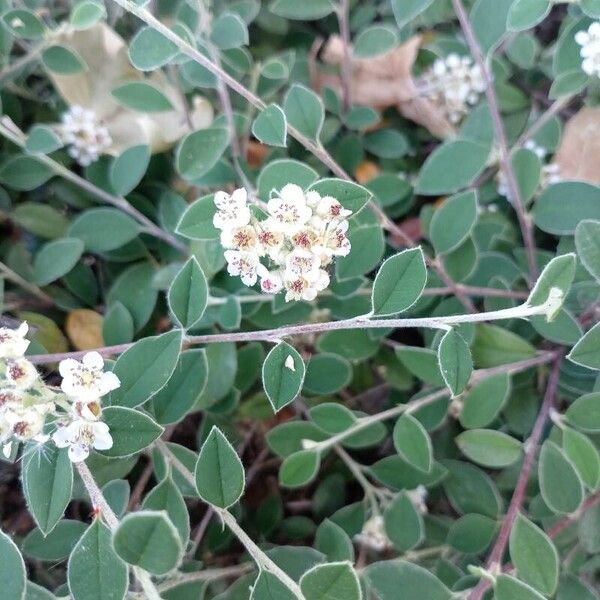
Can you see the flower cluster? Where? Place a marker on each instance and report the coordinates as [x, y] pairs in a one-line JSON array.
[[26, 401], [298, 239], [549, 175], [454, 84], [84, 383], [86, 137], [590, 49]]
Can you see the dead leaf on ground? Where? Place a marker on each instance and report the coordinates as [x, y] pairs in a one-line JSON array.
[[84, 328], [578, 155], [384, 81]]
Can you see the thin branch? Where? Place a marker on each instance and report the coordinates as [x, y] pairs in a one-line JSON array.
[[346, 67], [543, 119], [494, 561], [364, 322], [33, 289], [316, 149], [13, 69], [12, 133], [501, 139]]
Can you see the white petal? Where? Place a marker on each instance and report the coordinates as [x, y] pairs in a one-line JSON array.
[[102, 438], [109, 382], [23, 329], [62, 437], [93, 360], [292, 193], [240, 196], [78, 452], [67, 366]]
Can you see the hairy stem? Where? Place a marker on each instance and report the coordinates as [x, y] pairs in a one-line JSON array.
[[501, 139]]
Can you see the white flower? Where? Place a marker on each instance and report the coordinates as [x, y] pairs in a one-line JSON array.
[[271, 240], [26, 422], [373, 535], [330, 208], [418, 497], [289, 211], [538, 150], [271, 282], [232, 210], [302, 262], [590, 49], [333, 242], [21, 373], [241, 238], [243, 264], [80, 436], [86, 137], [299, 287], [12, 341], [86, 381]]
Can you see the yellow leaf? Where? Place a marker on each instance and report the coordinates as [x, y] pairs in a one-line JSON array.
[[84, 328]]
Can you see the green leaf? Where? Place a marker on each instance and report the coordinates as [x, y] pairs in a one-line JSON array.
[[334, 542], [229, 31], [47, 484], [453, 221], [304, 110], [24, 24], [489, 448], [87, 13], [150, 50], [197, 221], [283, 375], [56, 259], [399, 283], [24, 173], [456, 364], [302, 11], [117, 325], [199, 151], [147, 539], [42, 140], [525, 14], [387, 143], [145, 368], [472, 534], [568, 83], [188, 294], [268, 587], [534, 556], [62, 60], [166, 496], [131, 430], [331, 582], [509, 588], [299, 469], [141, 96], [558, 273], [451, 167], [562, 206], [350, 195], [104, 229], [95, 571], [587, 241], [391, 577], [403, 523], [270, 126], [527, 168], [220, 475], [12, 569], [279, 172], [495, 346], [488, 18], [37, 592], [484, 401], [327, 374], [584, 413], [412, 443], [406, 10], [422, 363], [586, 351], [560, 485], [127, 170], [591, 8], [55, 546], [373, 41], [584, 455], [186, 384]]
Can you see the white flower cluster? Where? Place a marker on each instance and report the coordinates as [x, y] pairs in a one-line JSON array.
[[550, 172], [26, 401], [590, 49], [298, 239], [84, 383], [86, 137], [454, 84]]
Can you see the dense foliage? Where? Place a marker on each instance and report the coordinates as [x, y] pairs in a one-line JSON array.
[[300, 299]]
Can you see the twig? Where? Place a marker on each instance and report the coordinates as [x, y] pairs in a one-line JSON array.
[[539, 123], [505, 161], [494, 560], [346, 67], [12, 133], [364, 322], [15, 68], [33, 289]]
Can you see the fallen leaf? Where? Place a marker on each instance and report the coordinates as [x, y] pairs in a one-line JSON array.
[[578, 155], [387, 80], [366, 171], [84, 328]]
